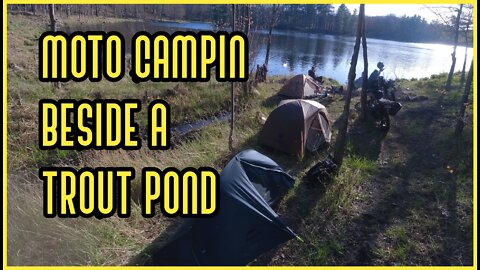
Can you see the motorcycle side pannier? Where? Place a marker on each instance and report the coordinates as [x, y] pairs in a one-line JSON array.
[[394, 108]]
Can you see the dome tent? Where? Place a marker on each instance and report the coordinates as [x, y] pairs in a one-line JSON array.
[[296, 125], [245, 225], [300, 86]]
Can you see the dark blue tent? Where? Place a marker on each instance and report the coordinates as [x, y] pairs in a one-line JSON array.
[[245, 225]]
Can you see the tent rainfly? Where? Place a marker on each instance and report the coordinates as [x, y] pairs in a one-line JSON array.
[[300, 86], [297, 124], [245, 225]]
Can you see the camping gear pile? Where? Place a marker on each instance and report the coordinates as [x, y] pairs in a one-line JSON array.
[[321, 172]]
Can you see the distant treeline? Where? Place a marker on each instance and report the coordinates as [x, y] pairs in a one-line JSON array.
[[306, 18]]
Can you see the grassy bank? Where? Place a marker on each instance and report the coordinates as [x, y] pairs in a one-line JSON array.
[[395, 200], [404, 198]]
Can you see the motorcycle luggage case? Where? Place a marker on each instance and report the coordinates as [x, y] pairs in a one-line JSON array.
[[394, 108]]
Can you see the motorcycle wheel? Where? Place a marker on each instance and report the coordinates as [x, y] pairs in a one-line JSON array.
[[384, 124]]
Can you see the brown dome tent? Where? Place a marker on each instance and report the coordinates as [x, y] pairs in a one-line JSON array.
[[300, 86], [296, 125]]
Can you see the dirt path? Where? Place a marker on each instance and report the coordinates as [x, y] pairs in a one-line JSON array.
[[391, 195]]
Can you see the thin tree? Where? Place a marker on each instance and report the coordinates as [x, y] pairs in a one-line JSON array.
[[468, 86], [455, 42], [232, 96], [53, 27], [341, 140], [246, 23], [363, 98], [53, 20], [466, 31], [273, 21], [464, 67]]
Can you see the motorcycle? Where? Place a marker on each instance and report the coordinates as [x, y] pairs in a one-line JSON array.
[[381, 103]]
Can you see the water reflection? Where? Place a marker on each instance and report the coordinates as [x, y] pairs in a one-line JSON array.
[[294, 52], [338, 51]]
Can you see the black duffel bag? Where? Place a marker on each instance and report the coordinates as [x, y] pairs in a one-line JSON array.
[[322, 171]]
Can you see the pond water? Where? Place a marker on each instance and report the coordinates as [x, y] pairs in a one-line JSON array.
[[295, 52]]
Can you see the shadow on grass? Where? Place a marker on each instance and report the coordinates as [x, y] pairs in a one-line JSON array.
[[147, 256], [295, 209], [365, 140], [404, 191], [273, 101], [397, 192]]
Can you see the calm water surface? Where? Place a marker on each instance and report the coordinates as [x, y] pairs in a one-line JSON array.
[[294, 52]]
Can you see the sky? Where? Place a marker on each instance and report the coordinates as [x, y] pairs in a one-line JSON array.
[[398, 10]]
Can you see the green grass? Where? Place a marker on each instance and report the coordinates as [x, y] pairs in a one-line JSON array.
[[394, 198], [189, 101]]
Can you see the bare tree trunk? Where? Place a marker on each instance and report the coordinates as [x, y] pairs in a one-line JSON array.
[[464, 102], [53, 27], [454, 58], [462, 78], [464, 67], [248, 20], [341, 140], [246, 29], [53, 21], [232, 96], [270, 28], [363, 98]]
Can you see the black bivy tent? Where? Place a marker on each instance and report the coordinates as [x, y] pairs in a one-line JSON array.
[[245, 225]]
